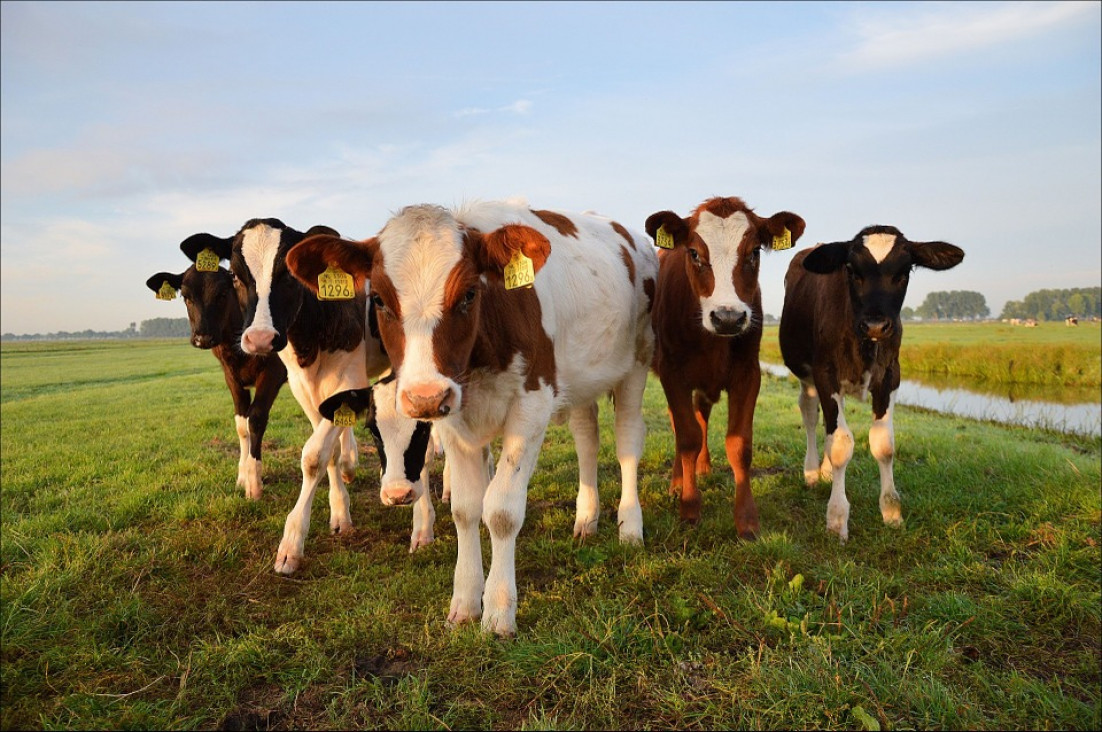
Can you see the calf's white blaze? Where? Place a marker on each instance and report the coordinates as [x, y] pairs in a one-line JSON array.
[[419, 250], [723, 236], [879, 245], [259, 246]]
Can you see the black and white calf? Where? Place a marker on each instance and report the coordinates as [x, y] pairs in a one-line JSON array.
[[216, 320], [327, 347], [840, 334], [405, 449]]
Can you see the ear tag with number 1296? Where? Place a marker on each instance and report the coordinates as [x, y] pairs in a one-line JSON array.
[[344, 416], [782, 242], [519, 272], [335, 284], [167, 292], [206, 261], [663, 239]]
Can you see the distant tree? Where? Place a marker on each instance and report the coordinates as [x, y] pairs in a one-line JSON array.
[[165, 328], [954, 305], [907, 313], [1056, 304]]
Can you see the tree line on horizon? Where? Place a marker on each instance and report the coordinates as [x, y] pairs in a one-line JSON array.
[[1079, 302]]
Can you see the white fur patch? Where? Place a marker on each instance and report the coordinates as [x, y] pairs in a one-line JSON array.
[[723, 237], [259, 247], [880, 245]]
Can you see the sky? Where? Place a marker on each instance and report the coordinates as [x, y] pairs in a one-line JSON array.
[[127, 127]]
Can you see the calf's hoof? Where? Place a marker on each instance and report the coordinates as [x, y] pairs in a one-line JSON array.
[[419, 539], [342, 526], [585, 527], [286, 564]]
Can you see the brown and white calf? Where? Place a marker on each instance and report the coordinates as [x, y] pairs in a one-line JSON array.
[[216, 319], [482, 361], [327, 347], [707, 324], [840, 334]]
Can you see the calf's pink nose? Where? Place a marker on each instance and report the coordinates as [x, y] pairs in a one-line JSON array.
[[257, 340], [426, 401]]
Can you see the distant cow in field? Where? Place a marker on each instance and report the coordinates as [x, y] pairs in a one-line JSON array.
[[327, 347], [707, 323], [840, 334], [498, 318], [216, 320], [1071, 320]]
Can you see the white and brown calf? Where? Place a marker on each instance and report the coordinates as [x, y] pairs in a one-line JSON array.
[[482, 361], [840, 334]]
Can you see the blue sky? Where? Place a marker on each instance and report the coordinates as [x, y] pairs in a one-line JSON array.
[[126, 127]]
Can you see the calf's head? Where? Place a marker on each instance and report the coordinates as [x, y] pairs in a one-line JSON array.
[[877, 265], [401, 443], [269, 295], [718, 248], [428, 275], [213, 311]]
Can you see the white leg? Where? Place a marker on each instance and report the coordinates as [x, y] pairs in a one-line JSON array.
[[583, 425], [340, 515], [242, 425], [315, 453], [350, 455], [503, 512], [882, 447], [468, 486], [809, 410], [424, 515], [840, 452], [631, 431], [254, 484]]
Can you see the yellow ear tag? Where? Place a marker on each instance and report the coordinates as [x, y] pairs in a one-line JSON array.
[[344, 416], [206, 261], [167, 292], [519, 272], [663, 239], [336, 284], [782, 242]]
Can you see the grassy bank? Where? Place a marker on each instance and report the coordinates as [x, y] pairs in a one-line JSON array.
[[137, 589], [997, 353]]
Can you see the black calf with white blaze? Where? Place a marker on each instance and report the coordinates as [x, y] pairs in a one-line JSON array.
[[840, 334], [216, 319]]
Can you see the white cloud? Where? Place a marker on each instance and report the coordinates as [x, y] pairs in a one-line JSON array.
[[888, 37], [521, 106]]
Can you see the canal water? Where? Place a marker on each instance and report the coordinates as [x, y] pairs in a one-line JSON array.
[[1073, 411]]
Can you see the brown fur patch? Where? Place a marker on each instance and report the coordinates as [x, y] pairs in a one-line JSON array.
[[561, 223], [648, 289], [628, 262], [624, 233]]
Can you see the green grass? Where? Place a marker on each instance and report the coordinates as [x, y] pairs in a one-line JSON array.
[[1051, 354], [137, 589]]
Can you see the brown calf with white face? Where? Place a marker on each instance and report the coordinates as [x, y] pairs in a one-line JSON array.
[[840, 334], [707, 323]]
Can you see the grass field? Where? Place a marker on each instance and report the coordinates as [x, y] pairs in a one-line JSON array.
[[137, 589], [1051, 354]]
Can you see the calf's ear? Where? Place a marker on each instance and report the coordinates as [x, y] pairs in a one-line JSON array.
[[935, 254], [827, 258], [156, 281], [496, 249], [198, 242], [316, 253], [358, 400], [771, 233], [671, 223]]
